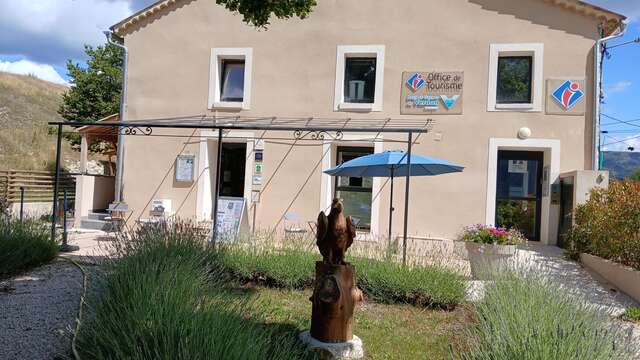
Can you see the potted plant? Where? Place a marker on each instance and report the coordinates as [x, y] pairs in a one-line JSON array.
[[489, 248]]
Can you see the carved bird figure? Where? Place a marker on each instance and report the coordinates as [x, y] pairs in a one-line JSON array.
[[335, 234]]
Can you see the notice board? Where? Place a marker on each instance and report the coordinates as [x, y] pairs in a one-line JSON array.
[[229, 217]]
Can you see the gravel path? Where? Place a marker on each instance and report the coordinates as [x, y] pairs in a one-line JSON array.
[[38, 311]]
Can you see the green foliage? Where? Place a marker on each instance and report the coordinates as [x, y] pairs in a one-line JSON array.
[[383, 281], [96, 88], [389, 282], [530, 318], [512, 215], [258, 12], [163, 300], [24, 245], [635, 175], [608, 224], [284, 268], [632, 314], [514, 80], [484, 234]]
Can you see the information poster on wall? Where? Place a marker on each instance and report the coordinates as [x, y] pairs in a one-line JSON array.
[[229, 217], [431, 92], [185, 165]]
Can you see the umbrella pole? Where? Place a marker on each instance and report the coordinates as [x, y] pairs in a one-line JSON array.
[[406, 201], [391, 208]]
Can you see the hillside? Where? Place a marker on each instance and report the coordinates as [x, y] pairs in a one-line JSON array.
[[621, 163], [26, 105]]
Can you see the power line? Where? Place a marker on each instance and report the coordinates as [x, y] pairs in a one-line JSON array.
[[622, 121], [622, 141], [629, 131], [636, 40]]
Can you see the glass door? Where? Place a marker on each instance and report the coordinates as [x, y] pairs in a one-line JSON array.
[[519, 191]]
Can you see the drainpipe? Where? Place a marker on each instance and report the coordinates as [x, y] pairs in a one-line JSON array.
[[118, 196], [597, 89]]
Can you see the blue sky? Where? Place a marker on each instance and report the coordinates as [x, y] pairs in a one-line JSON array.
[[38, 36]]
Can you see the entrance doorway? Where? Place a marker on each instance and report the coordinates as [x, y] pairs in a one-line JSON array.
[[566, 208], [519, 191], [232, 169]]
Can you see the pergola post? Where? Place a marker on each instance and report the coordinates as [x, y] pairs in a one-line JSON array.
[[406, 200], [56, 181], [217, 189], [84, 149]]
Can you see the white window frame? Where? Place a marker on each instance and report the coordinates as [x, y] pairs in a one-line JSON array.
[[536, 51], [353, 51], [215, 77], [207, 175], [327, 183], [549, 213]]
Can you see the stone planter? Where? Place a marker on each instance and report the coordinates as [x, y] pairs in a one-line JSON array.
[[486, 259], [623, 277]]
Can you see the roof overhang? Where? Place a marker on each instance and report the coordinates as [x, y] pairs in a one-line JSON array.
[[610, 20]]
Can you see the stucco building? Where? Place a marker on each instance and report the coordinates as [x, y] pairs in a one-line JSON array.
[[509, 85]]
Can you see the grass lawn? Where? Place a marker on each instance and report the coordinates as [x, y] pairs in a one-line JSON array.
[[388, 331]]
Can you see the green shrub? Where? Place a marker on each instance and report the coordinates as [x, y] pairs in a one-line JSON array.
[[280, 268], [24, 245], [530, 318], [608, 224], [162, 299], [383, 281], [632, 314], [388, 281]]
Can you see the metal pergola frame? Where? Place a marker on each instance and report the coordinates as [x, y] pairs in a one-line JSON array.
[[303, 128]]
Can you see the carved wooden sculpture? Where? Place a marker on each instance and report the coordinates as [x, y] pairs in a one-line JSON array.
[[335, 294]]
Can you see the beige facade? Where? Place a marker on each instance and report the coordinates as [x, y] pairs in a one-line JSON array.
[[293, 73]]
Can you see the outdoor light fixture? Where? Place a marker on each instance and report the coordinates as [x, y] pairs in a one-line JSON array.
[[524, 133]]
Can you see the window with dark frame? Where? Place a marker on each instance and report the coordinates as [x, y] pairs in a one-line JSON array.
[[359, 80], [232, 80], [355, 192], [514, 81]]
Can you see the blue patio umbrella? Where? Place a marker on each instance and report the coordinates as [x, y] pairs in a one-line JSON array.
[[391, 164]]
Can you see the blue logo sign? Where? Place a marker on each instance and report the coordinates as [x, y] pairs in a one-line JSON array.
[[568, 94], [449, 101], [415, 82]]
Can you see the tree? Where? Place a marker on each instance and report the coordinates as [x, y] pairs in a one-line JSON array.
[[95, 90], [635, 175], [258, 12]]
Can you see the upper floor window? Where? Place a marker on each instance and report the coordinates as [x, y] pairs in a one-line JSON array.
[[230, 78], [515, 77], [232, 82], [359, 78], [514, 80]]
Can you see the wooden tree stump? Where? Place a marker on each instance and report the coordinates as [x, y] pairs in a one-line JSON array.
[[333, 301]]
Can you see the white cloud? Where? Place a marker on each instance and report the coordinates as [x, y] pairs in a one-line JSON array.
[[617, 87], [26, 67], [52, 31], [622, 144]]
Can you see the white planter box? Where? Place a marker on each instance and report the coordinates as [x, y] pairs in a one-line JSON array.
[[485, 259], [623, 277]]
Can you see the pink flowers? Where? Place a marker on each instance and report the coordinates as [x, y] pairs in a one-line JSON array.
[[485, 234]]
